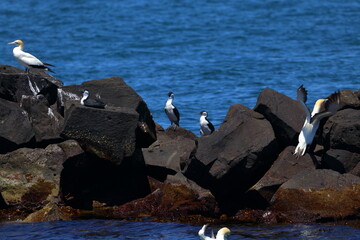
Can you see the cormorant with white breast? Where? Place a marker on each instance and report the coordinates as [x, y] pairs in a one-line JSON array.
[[222, 234], [26, 59], [312, 121], [91, 102], [206, 127], [171, 111]]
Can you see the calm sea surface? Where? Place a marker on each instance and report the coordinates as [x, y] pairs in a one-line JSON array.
[[211, 54], [101, 229]]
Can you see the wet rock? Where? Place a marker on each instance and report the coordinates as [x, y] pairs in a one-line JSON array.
[[89, 178], [284, 168], [15, 126], [285, 115], [240, 152], [108, 133], [32, 176], [350, 99], [318, 195], [177, 199], [341, 161], [116, 93], [47, 124], [50, 212], [14, 83], [342, 131], [165, 155]]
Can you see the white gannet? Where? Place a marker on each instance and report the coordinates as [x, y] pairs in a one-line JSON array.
[[171, 111], [222, 234], [206, 127], [26, 59], [91, 102], [312, 121]]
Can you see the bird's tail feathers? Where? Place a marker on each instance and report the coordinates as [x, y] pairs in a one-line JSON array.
[[300, 150]]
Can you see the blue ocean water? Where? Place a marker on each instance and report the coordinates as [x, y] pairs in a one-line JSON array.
[[211, 54], [121, 230]]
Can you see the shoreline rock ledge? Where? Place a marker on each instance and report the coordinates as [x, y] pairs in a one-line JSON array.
[[61, 160]]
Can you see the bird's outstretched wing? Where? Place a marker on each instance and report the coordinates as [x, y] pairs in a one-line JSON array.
[[302, 98], [331, 106]]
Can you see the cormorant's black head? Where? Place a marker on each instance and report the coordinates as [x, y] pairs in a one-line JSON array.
[[204, 113], [170, 93]]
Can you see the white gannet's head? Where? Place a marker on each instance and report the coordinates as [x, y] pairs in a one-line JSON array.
[[18, 43], [223, 233], [318, 105]]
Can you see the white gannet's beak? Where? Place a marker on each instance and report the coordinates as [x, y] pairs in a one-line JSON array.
[[12, 43]]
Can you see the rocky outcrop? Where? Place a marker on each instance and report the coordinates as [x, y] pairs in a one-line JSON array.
[[15, 83], [342, 161], [231, 154], [177, 199], [165, 156], [15, 126], [118, 163], [116, 93], [284, 168], [107, 133], [342, 131], [285, 115], [32, 176], [318, 195]]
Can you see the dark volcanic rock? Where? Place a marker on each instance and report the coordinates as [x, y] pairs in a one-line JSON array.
[[15, 126], [177, 199], [319, 194], [116, 93], [232, 159], [108, 133], [350, 99], [90, 178], [165, 155], [342, 131], [33, 175], [46, 123], [284, 168], [341, 161], [14, 83], [285, 115]]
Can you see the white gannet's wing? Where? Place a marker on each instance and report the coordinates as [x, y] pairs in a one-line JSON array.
[[202, 233], [29, 59], [302, 97], [331, 106]]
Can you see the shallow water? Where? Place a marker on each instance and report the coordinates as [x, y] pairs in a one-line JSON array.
[[113, 229], [211, 54]]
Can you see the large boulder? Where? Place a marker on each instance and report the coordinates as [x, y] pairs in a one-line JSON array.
[[165, 155], [284, 168], [350, 99], [341, 161], [233, 158], [285, 115], [46, 122], [14, 83], [318, 195], [342, 131], [33, 175], [177, 199], [108, 133], [115, 93], [15, 126]]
